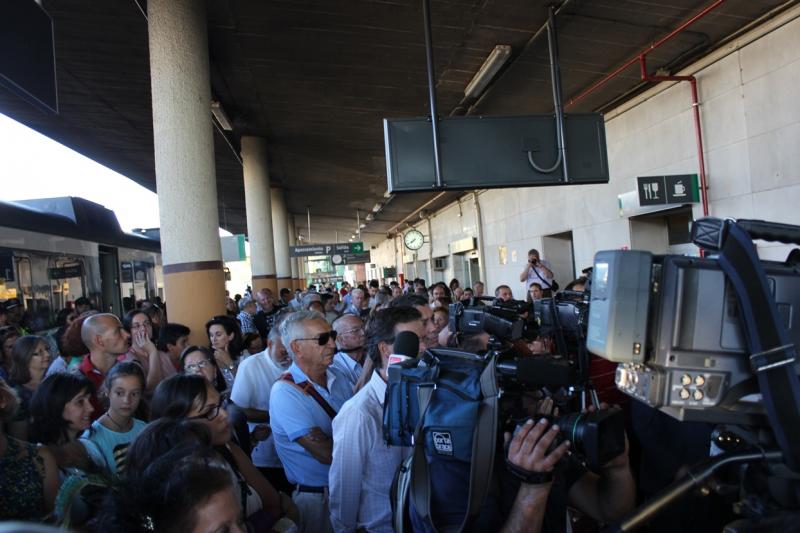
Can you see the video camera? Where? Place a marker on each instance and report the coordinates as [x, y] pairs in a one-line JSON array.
[[674, 325], [598, 436], [712, 339]]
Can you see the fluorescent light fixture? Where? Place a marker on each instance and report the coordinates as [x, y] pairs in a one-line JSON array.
[[370, 217], [362, 226], [377, 207], [221, 116], [497, 58]]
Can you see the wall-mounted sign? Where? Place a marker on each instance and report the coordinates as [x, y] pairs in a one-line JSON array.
[[663, 190], [463, 245], [309, 250]]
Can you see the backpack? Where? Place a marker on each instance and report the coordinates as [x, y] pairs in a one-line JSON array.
[[443, 405]]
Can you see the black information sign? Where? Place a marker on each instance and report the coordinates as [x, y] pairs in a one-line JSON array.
[[664, 190], [66, 272]]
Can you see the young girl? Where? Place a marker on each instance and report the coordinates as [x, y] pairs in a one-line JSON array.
[[111, 434]]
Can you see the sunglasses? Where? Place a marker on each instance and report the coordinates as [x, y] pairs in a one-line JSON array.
[[323, 338]]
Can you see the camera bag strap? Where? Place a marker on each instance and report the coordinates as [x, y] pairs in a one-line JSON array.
[[483, 450], [772, 355]]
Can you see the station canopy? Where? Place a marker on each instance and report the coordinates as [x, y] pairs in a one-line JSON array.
[[316, 78]]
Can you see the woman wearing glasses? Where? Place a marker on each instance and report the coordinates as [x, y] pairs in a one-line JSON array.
[[191, 397], [200, 361]]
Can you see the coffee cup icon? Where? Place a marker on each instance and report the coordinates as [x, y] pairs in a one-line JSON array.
[[680, 189]]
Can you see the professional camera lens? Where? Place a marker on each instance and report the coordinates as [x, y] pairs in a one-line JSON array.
[[599, 436]]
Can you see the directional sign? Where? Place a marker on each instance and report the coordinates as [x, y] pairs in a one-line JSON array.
[[350, 259], [308, 250], [664, 190]]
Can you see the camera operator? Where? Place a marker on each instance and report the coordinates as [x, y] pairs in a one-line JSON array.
[[538, 271], [555, 479]]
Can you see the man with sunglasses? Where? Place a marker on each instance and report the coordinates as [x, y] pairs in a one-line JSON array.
[[350, 342], [302, 405]]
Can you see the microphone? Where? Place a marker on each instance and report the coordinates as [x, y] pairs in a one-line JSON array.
[[406, 346]]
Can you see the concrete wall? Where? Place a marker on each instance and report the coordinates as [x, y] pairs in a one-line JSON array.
[[751, 126]]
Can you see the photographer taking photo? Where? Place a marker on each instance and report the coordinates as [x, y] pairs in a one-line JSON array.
[[538, 271]]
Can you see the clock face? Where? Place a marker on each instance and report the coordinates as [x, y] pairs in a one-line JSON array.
[[414, 239]]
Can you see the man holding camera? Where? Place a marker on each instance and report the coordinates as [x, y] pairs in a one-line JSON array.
[[546, 480], [537, 271]]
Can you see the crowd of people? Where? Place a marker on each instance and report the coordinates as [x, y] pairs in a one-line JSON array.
[[274, 424]]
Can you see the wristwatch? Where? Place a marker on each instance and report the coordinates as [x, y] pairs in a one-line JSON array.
[[526, 476]]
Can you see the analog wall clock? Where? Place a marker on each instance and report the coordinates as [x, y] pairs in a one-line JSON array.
[[413, 239]]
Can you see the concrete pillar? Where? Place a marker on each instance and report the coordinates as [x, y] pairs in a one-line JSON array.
[[194, 283], [259, 213], [297, 282], [283, 267]]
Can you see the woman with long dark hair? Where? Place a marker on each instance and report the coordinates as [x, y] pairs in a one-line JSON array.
[[225, 338], [30, 358], [61, 409], [189, 488], [200, 361], [192, 397]]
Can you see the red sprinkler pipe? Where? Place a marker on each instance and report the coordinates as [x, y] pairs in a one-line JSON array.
[[668, 37], [641, 58], [697, 127]]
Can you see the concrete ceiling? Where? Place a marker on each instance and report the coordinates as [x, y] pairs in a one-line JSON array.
[[316, 78]]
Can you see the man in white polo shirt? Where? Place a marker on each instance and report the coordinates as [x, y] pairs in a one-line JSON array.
[[251, 391]]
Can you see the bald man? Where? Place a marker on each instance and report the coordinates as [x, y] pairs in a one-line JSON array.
[[106, 340]]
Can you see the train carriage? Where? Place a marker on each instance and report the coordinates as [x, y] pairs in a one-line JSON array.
[[55, 250]]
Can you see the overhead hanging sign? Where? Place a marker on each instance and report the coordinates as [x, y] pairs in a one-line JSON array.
[[309, 250], [664, 190], [495, 152], [350, 259]]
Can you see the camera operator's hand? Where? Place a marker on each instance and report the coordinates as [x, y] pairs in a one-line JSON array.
[[528, 451], [529, 447], [609, 495], [620, 461]]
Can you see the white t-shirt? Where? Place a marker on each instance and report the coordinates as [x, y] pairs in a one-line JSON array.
[[534, 278], [251, 390]]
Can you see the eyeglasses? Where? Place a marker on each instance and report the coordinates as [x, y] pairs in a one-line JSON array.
[[323, 338], [191, 368], [209, 415]]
